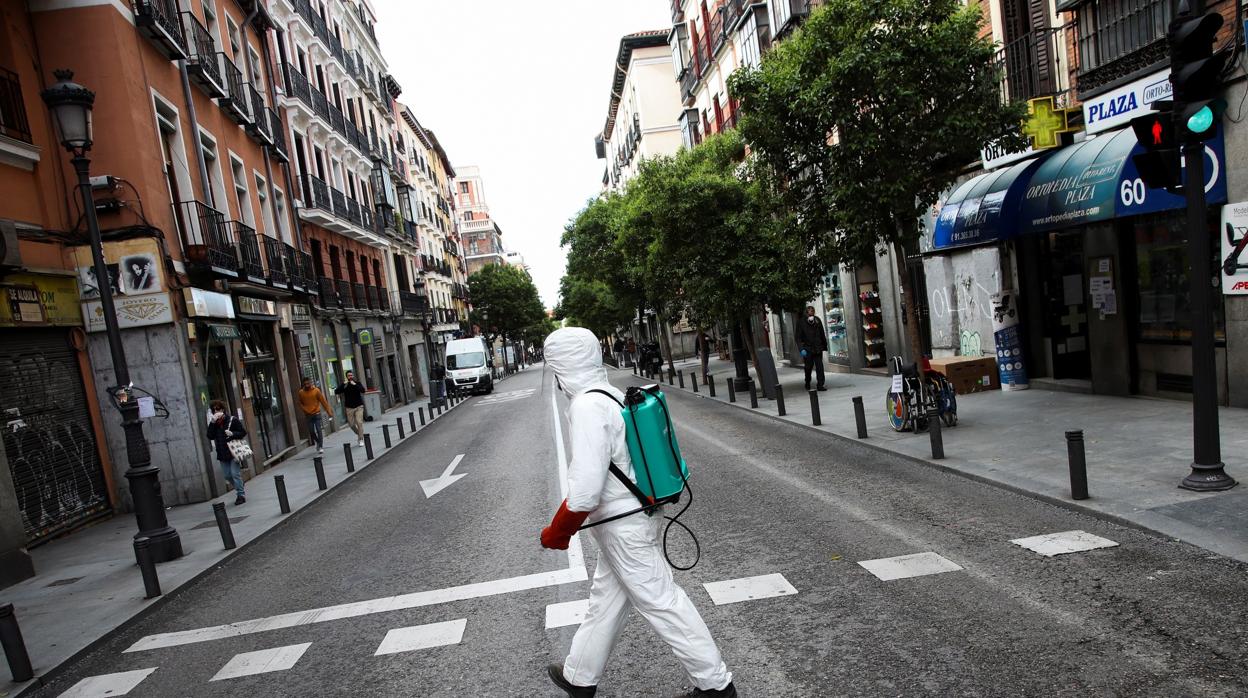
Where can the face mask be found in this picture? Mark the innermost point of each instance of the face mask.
(810, 319)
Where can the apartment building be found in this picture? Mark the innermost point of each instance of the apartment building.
(643, 109)
(482, 238)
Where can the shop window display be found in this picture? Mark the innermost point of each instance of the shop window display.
(1164, 278)
(834, 319)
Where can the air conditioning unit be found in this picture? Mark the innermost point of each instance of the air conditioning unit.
(10, 255)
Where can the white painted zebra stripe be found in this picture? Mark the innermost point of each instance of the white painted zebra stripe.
(118, 684)
(904, 566)
(560, 615)
(1051, 544)
(749, 589)
(262, 661)
(419, 637)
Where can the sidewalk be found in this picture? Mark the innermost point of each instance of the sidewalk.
(1138, 449)
(87, 583)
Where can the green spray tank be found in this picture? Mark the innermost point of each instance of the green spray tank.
(658, 467)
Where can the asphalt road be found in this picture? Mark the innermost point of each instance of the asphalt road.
(1148, 617)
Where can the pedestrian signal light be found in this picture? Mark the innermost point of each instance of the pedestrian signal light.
(1154, 131)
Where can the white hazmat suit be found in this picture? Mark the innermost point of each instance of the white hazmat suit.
(632, 572)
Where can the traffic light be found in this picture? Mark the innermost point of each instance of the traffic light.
(1158, 165)
(1196, 73)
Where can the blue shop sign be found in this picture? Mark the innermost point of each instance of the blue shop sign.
(983, 209)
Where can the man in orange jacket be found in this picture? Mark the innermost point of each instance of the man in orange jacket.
(311, 400)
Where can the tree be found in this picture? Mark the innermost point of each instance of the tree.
(504, 301)
(868, 113)
(592, 304)
(534, 335)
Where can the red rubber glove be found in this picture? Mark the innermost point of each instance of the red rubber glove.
(559, 533)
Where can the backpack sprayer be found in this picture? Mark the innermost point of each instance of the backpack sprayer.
(661, 471)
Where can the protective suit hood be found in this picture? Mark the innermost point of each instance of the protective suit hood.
(576, 358)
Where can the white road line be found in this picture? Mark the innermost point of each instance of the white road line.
(1052, 544)
(262, 661)
(361, 608)
(559, 615)
(576, 557)
(419, 637)
(904, 566)
(108, 684)
(749, 589)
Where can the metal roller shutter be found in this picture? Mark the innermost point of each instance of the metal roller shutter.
(48, 439)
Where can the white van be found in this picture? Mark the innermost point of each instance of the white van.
(467, 370)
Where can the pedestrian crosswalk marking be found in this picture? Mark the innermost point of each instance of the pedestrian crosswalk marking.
(749, 589)
(262, 661)
(509, 396)
(904, 566)
(118, 684)
(419, 637)
(1051, 544)
(567, 613)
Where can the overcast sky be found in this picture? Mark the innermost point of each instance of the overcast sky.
(519, 89)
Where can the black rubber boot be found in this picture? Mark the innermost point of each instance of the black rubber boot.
(555, 671)
(729, 691)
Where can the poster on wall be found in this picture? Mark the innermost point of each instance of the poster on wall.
(134, 268)
(1234, 258)
(1009, 339)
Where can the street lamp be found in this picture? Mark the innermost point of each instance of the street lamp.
(70, 104)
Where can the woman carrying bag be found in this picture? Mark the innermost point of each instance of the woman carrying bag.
(227, 436)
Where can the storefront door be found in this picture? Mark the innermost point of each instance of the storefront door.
(1066, 311)
(262, 378)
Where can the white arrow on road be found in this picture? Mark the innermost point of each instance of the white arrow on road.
(446, 479)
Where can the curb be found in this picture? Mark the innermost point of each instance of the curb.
(975, 477)
(43, 679)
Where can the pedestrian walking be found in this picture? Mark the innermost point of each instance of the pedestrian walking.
(704, 348)
(226, 433)
(619, 352)
(812, 341)
(311, 401)
(630, 347)
(632, 571)
(352, 392)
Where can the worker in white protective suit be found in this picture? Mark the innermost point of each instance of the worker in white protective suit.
(632, 571)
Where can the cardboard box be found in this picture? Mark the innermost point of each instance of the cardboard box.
(969, 374)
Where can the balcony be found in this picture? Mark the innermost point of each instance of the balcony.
(411, 304)
(356, 137)
(374, 299)
(206, 238)
(361, 299)
(248, 250)
(353, 63)
(235, 101)
(297, 85)
(337, 121)
(274, 260)
(345, 297)
(259, 128)
(1120, 41)
(383, 300)
(158, 21)
(788, 14)
(385, 218)
(278, 133)
(732, 12)
(1031, 66)
(327, 293)
(294, 268)
(320, 103)
(202, 62)
(13, 121)
(316, 193)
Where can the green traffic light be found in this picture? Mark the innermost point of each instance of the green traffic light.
(1201, 120)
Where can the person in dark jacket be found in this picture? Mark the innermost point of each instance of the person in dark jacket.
(221, 430)
(812, 341)
(352, 392)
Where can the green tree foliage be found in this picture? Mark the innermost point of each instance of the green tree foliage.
(534, 335)
(867, 113)
(504, 301)
(592, 304)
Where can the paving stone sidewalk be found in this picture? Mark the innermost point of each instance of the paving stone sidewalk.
(87, 583)
(1138, 449)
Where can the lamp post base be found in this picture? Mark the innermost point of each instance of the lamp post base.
(1208, 478)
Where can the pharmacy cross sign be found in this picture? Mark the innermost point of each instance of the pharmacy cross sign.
(1046, 122)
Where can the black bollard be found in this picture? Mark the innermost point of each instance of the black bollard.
(223, 525)
(14, 646)
(319, 466)
(710, 384)
(1078, 464)
(681, 376)
(346, 452)
(732, 391)
(693, 381)
(422, 416)
(815, 418)
(634, 369)
(860, 417)
(431, 407)
(780, 401)
(283, 502)
(671, 377)
(399, 423)
(753, 396)
(147, 567)
(933, 434)
(385, 434)
(411, 421)
(368, 446)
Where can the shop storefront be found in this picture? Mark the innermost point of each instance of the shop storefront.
(264, 386)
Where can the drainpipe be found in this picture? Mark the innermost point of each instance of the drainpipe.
(187, 95)
(292, 194)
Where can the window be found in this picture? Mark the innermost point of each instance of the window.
(1163, 273)
(266, 224)
(463, 187)
(241, 199)
(232, 29)
(281, 215)
(1111, 29)
(753, 38)
(216, 181)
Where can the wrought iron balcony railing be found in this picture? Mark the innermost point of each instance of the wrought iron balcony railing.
(327, 291)
(316, 193)
(203, 64)
(374, 298)
(278, 133)
(345, 297)
(158, 21)
(294, 267)
(1033, 65)
(361, 299)
(235, 102)
(274, 260)
(248, 249)
(206, 237)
